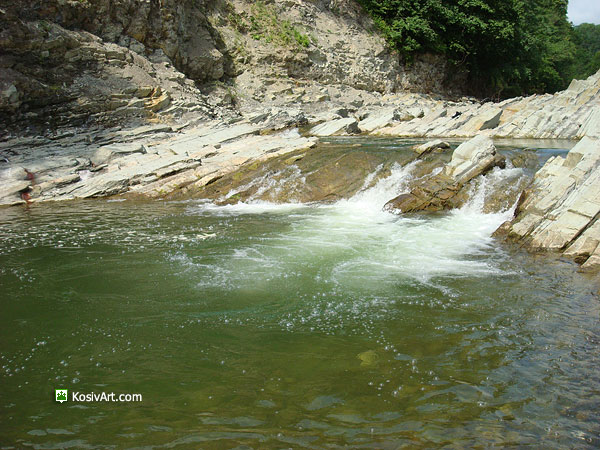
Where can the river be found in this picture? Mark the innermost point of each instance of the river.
(263, 325)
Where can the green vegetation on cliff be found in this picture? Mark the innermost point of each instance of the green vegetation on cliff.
(508, 47)
(587, 58)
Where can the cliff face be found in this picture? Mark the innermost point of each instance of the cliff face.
(100, 61)
(69, 63)
(180, 29)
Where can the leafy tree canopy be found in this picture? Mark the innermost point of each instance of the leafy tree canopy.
(508, 47)
(587, 58)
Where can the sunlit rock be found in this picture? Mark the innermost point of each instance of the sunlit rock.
(435, 145)
(446, 189)
(346, 125)
(561, 209)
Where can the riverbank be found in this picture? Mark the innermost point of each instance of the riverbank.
(156, 159)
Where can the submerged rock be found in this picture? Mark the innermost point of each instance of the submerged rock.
(368, 358)
(331, 173)
(560, 211)
(447, 189)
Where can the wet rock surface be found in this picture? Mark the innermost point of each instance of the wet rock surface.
(326, 173)
(448, 188)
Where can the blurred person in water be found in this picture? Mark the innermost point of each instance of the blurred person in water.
(26, 193)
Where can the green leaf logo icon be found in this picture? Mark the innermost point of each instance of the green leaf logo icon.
(61, 395)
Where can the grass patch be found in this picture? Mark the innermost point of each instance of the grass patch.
(264, 24)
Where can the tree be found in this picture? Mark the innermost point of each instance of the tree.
(587, 57)
(508, 47)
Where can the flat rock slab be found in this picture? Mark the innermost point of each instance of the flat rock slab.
(104, 154)
(333, 127)
(377, 120)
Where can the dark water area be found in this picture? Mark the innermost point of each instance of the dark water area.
(263, 325)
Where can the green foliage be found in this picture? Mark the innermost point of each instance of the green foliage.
(508, 47)
(263, 24)
(587, 58)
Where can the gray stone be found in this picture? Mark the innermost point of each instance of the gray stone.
(104, 154)
(431, 146)
(472, 158)
(338, 126)
(377, 120)
(562, 207)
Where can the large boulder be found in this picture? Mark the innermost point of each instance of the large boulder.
(447, 189)
(472, 158)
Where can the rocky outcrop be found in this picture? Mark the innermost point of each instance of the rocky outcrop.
(151, 161)
(560, 210)
(51, 78)
(326, 174)
(172, 30)
(431, 146)
(569, 114)
(448, 188)
(81, 62)
(331, 42)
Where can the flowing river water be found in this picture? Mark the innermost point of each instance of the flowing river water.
(262, 325)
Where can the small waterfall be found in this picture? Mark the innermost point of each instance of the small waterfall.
(355, 243)
(270, 185)
(386, 188)
(497, 192)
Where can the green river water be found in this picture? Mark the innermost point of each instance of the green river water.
(290, 326)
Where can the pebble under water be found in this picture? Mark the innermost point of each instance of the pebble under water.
(262, 325)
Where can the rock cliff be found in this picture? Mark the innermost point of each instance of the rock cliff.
(82, 62)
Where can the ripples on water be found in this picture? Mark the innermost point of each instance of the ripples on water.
(302, 326)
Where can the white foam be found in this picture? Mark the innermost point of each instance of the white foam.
(356, 244)
(254, 207)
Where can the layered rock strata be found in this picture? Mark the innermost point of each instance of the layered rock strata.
(560, 210)
(151, 161)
